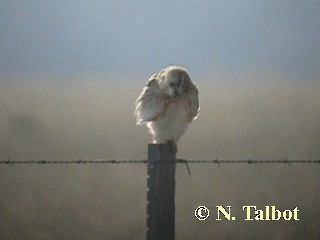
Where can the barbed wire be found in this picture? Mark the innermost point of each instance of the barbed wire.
(184, 161)
(146, 161)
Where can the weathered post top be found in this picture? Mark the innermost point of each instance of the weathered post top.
(158, 152)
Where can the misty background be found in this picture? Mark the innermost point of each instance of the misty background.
(69, 76)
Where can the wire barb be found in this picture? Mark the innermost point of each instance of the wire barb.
(184, 162)
(286, 161)
(217, 161)
(8, 161)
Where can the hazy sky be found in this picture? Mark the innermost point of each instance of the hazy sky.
(63, 38)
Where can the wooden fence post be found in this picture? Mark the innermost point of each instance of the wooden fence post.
(161, 190)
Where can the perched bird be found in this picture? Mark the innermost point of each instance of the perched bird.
(167, 104)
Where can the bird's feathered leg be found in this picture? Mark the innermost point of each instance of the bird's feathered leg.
(173, 141)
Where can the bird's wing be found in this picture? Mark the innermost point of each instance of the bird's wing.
(150, 104)
(194, 102)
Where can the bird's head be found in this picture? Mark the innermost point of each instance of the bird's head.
(176, 82)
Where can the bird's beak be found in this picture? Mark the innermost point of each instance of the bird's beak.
(175, 92)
